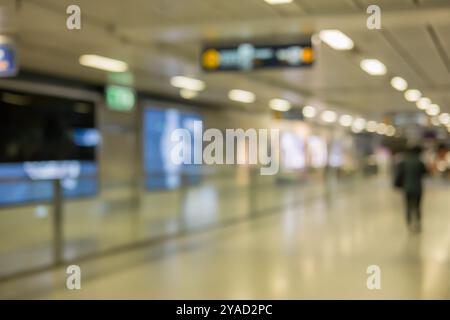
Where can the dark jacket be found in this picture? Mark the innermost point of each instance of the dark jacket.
(411, 172)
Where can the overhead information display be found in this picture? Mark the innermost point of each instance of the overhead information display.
(246, 56)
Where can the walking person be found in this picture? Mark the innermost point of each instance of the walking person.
(409, 177)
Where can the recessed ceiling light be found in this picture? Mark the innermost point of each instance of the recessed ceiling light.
(241, 96)
(359, 125)
(373, 67)
(444, 119)
(103, 63)
(433, 110)
(391, 131)
(187, 83)
(280, 105)
(398, 83)
(423, 103)
(346, 120)
(329, 116)
(371, 126)
(413, 95)
(275, 2)
(382, 128)
(435, 121)
(309, 111)
(336, 39)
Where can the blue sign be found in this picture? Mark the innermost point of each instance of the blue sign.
(30, 181)
(160, 171)
(8, 66)
(246, 56)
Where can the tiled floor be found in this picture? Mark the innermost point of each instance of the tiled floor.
(320, 248)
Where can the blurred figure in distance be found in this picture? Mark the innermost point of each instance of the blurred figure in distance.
(409, 177)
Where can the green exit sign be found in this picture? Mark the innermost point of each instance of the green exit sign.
(120, 98)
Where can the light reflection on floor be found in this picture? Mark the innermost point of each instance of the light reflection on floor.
(319, 249)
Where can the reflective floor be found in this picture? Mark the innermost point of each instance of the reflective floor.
(317, 248)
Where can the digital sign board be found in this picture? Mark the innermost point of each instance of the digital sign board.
(247, 56)
(44, 138)
(160, 171)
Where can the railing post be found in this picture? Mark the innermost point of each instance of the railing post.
(252, 192)
(57, 222)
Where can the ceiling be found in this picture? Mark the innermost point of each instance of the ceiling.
(163, 38)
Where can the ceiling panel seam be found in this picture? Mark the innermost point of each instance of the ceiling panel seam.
(439, 46)
(403, 53)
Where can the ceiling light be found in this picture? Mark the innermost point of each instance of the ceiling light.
(346, 120)
(398, 83)
(280, 105)
(103, 63)
(275, 2)
(413, 95)
(187, 83)
(391, 131)
(445, 119)
(423, 103)
(359, 125)
(382, 128)
(433, 110)
(329, 116)
(435, 122)
(336, 39)
(188, 94)
(241, 96)
(373, 67)
(371, 126)
(309, 112)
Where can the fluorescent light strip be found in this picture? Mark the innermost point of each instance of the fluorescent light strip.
(241, 96)
(346, 120)
(382, 128)
(371, 126)
(423, 103)
(433, 110)
(309, 112)
(336, 39)
(187, 83)
(103, 63)
(373, 67)
(275, 2)
(435, 122)
(391, 131)
(329, 116)
(444, 118)
(280, 105)
(413, 95)
(359, 125)
(399, 84)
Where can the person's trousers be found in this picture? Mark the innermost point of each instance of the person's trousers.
(413, 206)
